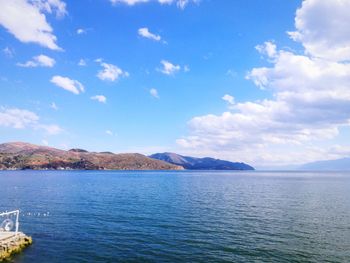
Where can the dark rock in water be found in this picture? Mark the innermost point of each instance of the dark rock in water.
(193, 163)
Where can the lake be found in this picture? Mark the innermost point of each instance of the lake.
(181, 216)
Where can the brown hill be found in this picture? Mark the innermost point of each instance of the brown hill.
(19, 155)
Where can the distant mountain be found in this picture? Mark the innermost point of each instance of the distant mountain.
(193, 163)
(19, 155)
(338, 164)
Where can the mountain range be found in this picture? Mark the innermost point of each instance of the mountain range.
(338, 164)
(19, 155)
(194, 163)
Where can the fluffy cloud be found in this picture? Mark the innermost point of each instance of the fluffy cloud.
(81, 31)
(51, 129)
(99, 98)
(179, 3)
(111, 133)
(128, 2)
(229, 99)
(82, 62)
(144, 32)
(57, 7)
(39, 61)
(169, 68)
(53, 106)
(71, 85)
(22, 119)
(154, 93)
(9, 52)
(27, 22)
(310, 102)
(110, 72)
(322, 27)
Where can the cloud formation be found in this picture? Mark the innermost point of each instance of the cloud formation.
(26, 20)
(68, 84)
(310, 102)
(9, 52)
(39, 61)
(99, 98)
(229, 99)
(21, 119)
(144, 32)
(81, 31)
(154, 93)
(179, 3)
(322, 27)
(110, 72)
(169, 68)
(82, 62)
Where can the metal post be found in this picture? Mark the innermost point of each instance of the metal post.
(17, 221)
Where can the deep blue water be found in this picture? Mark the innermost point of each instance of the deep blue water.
(93, 216)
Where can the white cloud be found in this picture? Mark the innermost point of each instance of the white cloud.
(17, 118)
(71, 85)
(27, 22)
(22, 119)
(9, 52)
(39, 61)
(165, 1)
(144, 32)
(169, 68)
(99, 98)
(179, 3)
(53, 106)
(154, 93)
(50, 129)
(229, 99)
(45, 142)
(310, 105)
(81, 31)
(322, 27)
(232, 73)
(82, 62)
(128, 2)
(51, 6)
(186, 68)
(110, 72)
(268, 49)
(109, 132)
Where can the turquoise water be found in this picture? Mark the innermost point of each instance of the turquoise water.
(93, 216)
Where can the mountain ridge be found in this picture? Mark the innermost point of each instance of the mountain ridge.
(20, 155)
(336, 164)
(195, 163)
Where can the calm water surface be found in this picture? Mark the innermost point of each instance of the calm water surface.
(93, 216)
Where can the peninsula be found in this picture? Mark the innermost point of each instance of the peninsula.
(20, 155)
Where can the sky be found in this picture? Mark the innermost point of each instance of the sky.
(263, 82)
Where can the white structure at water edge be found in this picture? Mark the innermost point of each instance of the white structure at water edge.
(7, 223)
(11, 240)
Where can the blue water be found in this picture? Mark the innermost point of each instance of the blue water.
(93, 216)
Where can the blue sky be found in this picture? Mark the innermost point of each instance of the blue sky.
(218, 78)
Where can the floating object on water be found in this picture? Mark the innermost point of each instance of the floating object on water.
(11, 242)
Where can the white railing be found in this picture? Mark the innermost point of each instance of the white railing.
(5, 225)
